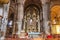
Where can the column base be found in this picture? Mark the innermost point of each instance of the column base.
(18, 33)
(2, 38)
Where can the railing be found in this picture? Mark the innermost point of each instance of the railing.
(34, 34)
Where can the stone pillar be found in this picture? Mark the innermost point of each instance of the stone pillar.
(45, 7)
(5, 20)
(20, 15)
(6, 11)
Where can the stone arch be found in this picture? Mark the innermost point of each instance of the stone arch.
(12, 10)
(36, 3)
(33, 3)
(55, 11)
(54, 2)
(54, 5)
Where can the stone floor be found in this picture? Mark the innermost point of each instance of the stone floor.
(30, 39)
(17, 39)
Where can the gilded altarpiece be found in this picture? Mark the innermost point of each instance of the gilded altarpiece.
(31, 20)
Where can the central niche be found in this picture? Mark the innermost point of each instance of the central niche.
(31, 19)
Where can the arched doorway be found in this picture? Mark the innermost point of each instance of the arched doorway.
(10, 25)
(55, 19)
(12, 18)
(11, 22)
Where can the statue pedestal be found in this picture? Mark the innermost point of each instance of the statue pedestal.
(21, 34)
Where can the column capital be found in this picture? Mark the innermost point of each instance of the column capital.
(45, 1)
(21, 2)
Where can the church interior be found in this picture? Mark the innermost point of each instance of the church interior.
(29, 19)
